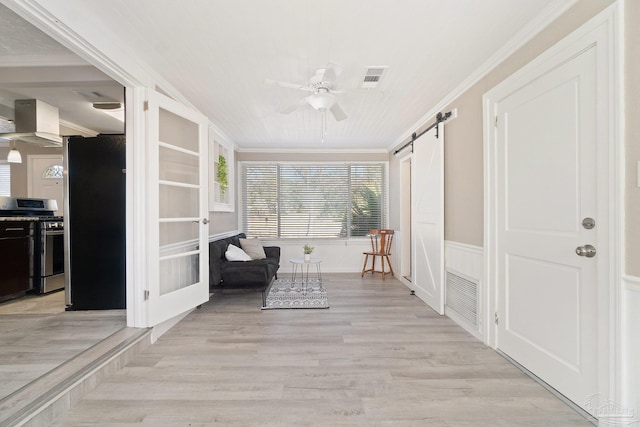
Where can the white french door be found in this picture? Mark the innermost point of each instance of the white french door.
(427, 218)
(551, 223)
(178, 276)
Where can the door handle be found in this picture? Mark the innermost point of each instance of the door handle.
(205, 221)
(587, 250)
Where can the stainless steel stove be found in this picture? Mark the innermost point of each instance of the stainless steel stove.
(48, 243)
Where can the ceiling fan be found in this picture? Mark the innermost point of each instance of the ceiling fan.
(322, 86)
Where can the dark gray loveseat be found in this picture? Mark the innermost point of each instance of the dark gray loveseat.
(253, 275)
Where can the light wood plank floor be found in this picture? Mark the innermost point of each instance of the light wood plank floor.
(37, 335)
(377, 357)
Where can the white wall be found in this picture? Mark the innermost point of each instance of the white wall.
(338, 256)
(341, 256)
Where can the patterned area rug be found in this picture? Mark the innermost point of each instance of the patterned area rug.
(283, 295)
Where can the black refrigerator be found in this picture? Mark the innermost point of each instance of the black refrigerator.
(95, 222)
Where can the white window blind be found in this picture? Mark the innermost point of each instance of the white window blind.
(313, 200)
(5, 179)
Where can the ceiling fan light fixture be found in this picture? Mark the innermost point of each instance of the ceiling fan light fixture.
(321, 101)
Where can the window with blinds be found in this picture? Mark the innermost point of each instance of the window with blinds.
(5, 179)
(327, 200)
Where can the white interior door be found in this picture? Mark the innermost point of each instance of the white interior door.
(546, 155)
(45, 179)
(427, 198)
(178, 209)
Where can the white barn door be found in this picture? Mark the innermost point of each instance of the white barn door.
(427, 197)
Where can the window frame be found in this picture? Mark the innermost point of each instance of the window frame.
(241, 189)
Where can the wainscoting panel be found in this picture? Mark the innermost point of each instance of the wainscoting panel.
(464, 269)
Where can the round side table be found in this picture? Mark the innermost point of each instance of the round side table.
(300, 262)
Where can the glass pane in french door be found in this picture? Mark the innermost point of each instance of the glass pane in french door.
(178, 131)
(179, 202)
(178, 166)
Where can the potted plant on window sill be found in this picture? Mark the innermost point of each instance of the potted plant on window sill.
(221, 175)
(307, 252)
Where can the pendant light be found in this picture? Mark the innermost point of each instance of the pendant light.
(14, 155)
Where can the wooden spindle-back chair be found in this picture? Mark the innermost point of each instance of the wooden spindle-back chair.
(381, 240)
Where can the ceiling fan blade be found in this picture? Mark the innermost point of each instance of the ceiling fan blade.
(290, 109)
(330, 73)
(335, 69)
(337, 112)
(288, 85)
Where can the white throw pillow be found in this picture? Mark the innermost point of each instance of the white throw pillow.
(253, 248)
(234, 253)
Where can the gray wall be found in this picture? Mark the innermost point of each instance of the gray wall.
(632, 108)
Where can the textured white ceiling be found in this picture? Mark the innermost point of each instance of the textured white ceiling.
(218, 53)
(18, 38)
(33, 65)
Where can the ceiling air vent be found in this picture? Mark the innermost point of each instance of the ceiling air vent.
(372, 76)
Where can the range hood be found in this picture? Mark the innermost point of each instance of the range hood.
(36, 122)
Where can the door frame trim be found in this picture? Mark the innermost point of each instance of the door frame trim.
(136, 77)
(605, 32)
(404, 252)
